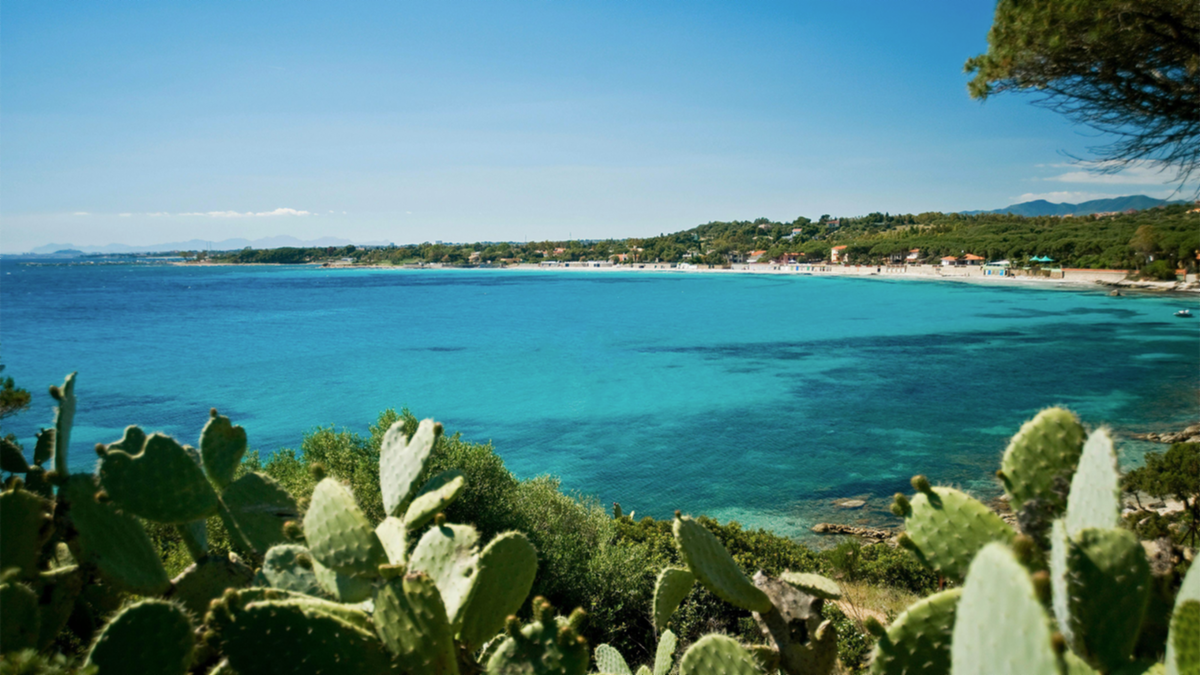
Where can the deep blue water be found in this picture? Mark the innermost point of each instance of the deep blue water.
(761, 399)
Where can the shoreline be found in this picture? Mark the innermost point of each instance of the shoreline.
(1077, 279)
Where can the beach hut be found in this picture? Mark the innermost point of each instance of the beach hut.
(949, 261)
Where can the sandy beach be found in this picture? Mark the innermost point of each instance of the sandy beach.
(1070, 278)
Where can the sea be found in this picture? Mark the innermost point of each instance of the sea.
(762, 399)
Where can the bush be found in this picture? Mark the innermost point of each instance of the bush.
(1159, 270)
(586, 557)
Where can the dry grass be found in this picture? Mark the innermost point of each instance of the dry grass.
(860, 600)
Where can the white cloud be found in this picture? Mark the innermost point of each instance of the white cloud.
(247, 214)
(1135, 174)
(124, 215)
(1062, 197)
(81, 213)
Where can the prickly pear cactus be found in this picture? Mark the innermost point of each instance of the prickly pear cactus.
(150, 637)
(715, 568)
(221, 447)
(438, 493)
(542, 647)
(1095, 499)
(206, 580)
(507, 568)
(672, 586)
(257, 507)
(1106, 589)
(394, 536)
(918, 641)
(411, 620)
(26, 524)
(401, 461)
(946, 528)
(1047, 447)
(1183, 642)
(113, 541)
(717, 654)
(290, 567)
(159, 481)
(1000, 627)
(64, 420)
(813, 584)
(447, 554)
(339, 535)
(20, 620)
(610, 661)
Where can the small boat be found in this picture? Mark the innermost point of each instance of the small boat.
(1184, 314)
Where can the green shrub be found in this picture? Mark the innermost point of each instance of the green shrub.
(1159, 270)
(854, 643)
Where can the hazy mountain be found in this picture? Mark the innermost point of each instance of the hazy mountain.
(202, 245)
(1042, 207)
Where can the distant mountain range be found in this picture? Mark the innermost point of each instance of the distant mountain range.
(1041, 207)
(198, 245)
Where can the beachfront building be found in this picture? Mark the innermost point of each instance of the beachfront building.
(913, 255)
(972, 259)
(998, 268)
(837, 254)
(755, 255)
(949, 261)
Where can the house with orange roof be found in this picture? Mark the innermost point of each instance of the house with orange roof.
(755, 255)
(913, 255)
(837, 253)
(949, 261)
(972, 259)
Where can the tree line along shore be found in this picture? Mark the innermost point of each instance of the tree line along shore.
(1156, 243)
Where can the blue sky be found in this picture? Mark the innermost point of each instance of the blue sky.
(153, 122)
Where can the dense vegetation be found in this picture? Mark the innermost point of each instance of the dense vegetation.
(1124, 241)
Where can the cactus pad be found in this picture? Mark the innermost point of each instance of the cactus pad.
(258, 507)
(285, 637)
(447, 554)
(393, 535)
(507, 567)
(1095, 499)
(437, 493)
(1108, 586)
(207, 579)
(1185, 637)
(151, 637)
(545, 646)
(813, 584)
(1000, 627)
(43, 449)
(114, 541)
(1047, 447)
(59, 588)
(401, 461)
(64, 419)
(947, 528)
(338, 533)
(342, 587)
(672, 586)
(221, 447)
(715, 568)
(411, 621)
(160, 483)
(918, 641)
(290, 567)
(12, 459)
(25, 526)
(717, 655)
(20, 620)
(1183, 642)
(610, 661)
(664, 653)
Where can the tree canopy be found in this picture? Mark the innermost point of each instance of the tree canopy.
(1130, 68)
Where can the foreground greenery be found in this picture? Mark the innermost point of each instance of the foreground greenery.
(1125, 241)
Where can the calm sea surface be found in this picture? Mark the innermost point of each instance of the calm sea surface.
(761, 399)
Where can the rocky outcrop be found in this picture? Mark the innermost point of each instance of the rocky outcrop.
(1188, 435)
(872, 535)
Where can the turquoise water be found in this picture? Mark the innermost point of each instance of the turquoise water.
(761, 399)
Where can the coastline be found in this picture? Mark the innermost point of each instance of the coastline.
(1076, 279)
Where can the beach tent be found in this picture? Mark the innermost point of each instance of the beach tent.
(1041, 258)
